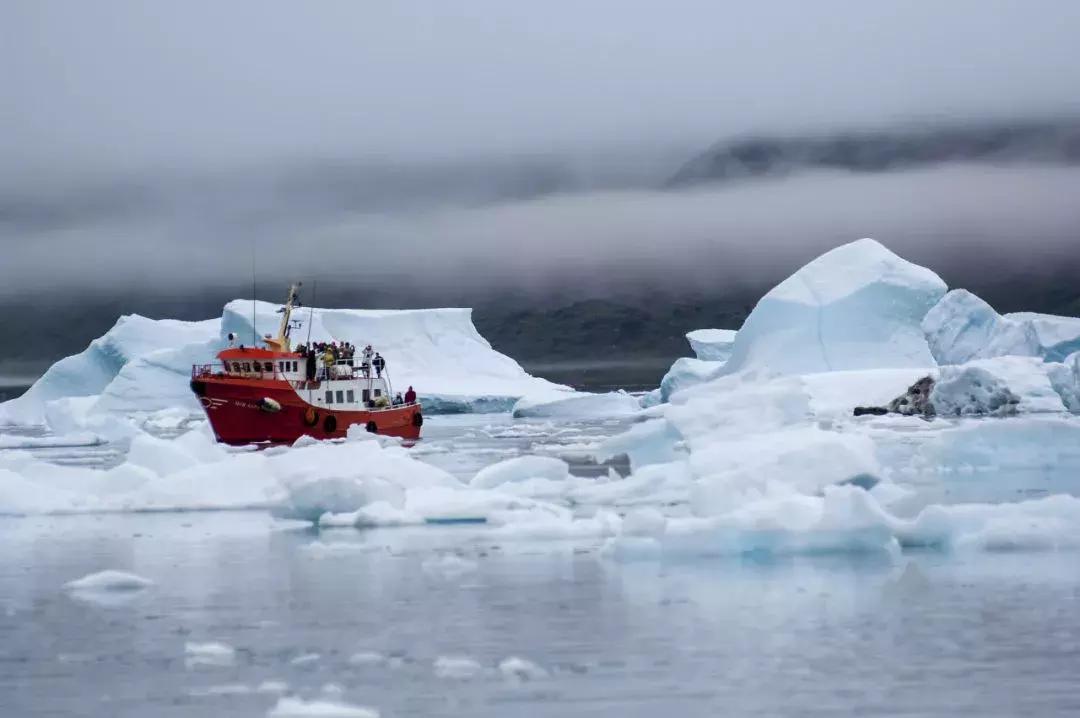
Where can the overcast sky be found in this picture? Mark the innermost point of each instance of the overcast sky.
(98, 93)
(125, 82)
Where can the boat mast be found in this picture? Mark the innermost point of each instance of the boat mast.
(281, 341)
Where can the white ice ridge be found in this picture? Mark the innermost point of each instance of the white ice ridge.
(962, 327)
(858, 306)
(712, 344)
(143, 365)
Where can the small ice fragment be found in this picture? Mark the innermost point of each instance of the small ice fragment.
(332, 689)
(298, 708)
(211, 653)
(366, 658)
(272, 687)
(228, 689)
(460, 668)
(109, 580)
(449, 566)
(304, 659)
(521, 669)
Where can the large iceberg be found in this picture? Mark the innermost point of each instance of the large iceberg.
(858, 306)
(143, 365)
(962, 327)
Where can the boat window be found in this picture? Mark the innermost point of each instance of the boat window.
(378, 392)
(294, 366)
(281, 366)
(236, 366)
(350, 396)
(365, 395)
(247, 366)
(340, 396)
(268, 366)
(329, 397)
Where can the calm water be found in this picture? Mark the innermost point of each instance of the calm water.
(990, 634)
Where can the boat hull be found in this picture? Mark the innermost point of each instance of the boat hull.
(256, 411)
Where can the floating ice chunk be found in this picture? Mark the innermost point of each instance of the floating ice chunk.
(448, 566)
(858, 306)
(367, 658)
(460, 668)
(299, 708)
(227, 689)
(651, 442)
(109, 580)
(521, 468)
(322, 550)
(972, 391)
(1028, 378)
(686, 373)
(521, 669)
(712, 344)
(962, 327)
(272, 687)
(305, 659)
(1058, 337)
(644, 522)
(208, 654)
(578, 405)
(1065, 380)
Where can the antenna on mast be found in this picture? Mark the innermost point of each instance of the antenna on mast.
(254, 331)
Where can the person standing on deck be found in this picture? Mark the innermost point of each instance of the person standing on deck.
(379, 363)
(328, 361)
(410, 396)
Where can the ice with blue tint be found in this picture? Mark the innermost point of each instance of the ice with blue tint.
(962, 327)
(858, 306)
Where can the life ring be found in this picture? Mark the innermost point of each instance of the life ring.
(372, 428)
(311, 417)
(330, 425)
(418, 419)
(270, 406)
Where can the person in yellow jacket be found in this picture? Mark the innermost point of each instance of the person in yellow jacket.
(328, 362)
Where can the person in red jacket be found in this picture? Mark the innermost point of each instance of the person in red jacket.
(410, 396)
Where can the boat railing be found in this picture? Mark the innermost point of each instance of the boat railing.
(218, 369)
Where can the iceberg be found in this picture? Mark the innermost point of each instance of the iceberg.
(962, 327)
(687, 372)
(577, 405)
(142, 366)
(711, 344)
(858, 306)
(91, 371)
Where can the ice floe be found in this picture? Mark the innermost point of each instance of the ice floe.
(288, 707)
(109, 580)
(210, 653)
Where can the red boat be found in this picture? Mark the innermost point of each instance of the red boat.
(277, 395)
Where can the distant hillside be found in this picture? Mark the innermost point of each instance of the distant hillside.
(1043, 142)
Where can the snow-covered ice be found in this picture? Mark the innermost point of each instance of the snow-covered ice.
(289, 707)
(712, 344)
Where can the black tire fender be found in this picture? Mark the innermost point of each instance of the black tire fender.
(418, 419)
(330, 425)
(372, 427)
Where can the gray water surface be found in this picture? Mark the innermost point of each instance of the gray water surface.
(936, 634)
